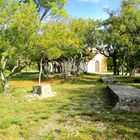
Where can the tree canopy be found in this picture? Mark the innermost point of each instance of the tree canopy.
(49, 7)
(121, 34)
(17, 33)
(26, 35)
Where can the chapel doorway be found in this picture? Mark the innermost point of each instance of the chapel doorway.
(97, 66)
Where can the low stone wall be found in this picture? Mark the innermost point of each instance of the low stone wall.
(109, 80)
(125, 97)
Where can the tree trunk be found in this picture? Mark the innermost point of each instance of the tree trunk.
(38, 65)
(131, 72)
(78, 69)
(65, 70)
(73, 69)
(85, 67)
(40, 72)
(115, 63)
(5, 87)
(4, 82)
(122, 70)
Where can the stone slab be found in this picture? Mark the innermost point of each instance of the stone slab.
(109, 80)
(127, 97)
(125, 91)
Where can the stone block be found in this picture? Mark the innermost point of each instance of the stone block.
(44, 91)
(126, 97)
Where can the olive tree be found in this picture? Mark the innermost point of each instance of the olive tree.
(17, 33)
(121, 34)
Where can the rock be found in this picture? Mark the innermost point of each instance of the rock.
(44, 91)
(40, 92)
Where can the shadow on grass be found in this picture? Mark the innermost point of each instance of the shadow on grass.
(23, 76)
(92, 102)
(86, 98)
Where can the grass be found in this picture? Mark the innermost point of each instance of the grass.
(79, 111)
(129, 80)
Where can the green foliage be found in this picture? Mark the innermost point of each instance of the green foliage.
(122, 30)
(63, 39)
(17, 34)
(49, 7)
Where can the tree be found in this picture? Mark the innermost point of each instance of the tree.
(121, 34)
(83, 29)
(130, 28)
(49, 9)
(17, 32)
(56, 42)
(69, 41)
(49, 43)
(108, 38)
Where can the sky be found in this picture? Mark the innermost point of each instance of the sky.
(91, 8)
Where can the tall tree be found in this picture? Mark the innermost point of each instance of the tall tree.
(121, 34)
(48, 9)
(17, 32)
(130, 28)
(84, 30)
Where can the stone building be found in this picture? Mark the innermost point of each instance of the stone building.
(98, 64)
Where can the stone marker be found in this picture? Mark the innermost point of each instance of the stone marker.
(40, 92)
(44, 91)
